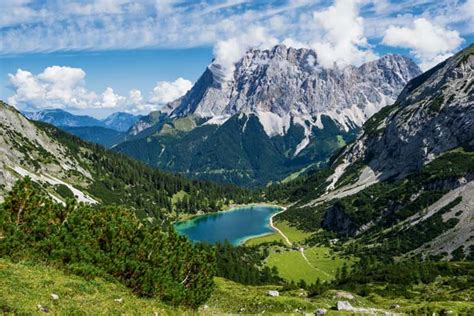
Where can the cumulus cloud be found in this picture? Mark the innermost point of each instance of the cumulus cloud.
(343, 42)
(229, 51)
(58, 87)
(336, 33)
(64, 88)
(167, 91)
(428, 42)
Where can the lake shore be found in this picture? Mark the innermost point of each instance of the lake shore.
(189, 222)
(228, 208)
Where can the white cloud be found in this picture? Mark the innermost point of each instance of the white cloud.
(135, 97)
(166, 91)
(343, 42)
(58, 87)
(228, 52)
(64, 88)
(428, 42)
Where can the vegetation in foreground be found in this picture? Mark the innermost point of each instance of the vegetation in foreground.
(109, 249)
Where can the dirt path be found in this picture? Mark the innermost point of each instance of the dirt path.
(277, 229)
(312, 266)
(301, 250)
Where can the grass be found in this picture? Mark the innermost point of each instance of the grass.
(293, 234)
(23, 286)
(326, 261)
(296, 174)
(273, 237)
(231, 297)
(292, 266)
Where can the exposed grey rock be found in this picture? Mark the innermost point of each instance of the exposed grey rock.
(344, 306)
(42, 308)
(54, 297)
(320, 312)
(343, 294)
(433, 114)
(273, 293)
(284, 84)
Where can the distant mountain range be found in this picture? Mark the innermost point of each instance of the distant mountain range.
(279, 113)
(107, 132)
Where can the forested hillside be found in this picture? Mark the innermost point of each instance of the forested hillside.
(67, 166)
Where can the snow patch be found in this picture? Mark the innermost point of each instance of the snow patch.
(217, 120)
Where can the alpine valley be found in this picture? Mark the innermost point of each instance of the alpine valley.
(366, 175)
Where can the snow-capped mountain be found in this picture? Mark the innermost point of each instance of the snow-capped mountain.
(284, 85)
(280, 112)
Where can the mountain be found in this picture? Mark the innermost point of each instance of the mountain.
(58, 117)
(67, 167)
(405, 187)
(279, 113)
(107, 132)
(120, 121)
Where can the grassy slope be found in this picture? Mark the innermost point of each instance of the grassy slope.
(24, 286)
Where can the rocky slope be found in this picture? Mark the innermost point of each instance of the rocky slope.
(27, 150)
(302, 114)
(405, 185)
(285, 85)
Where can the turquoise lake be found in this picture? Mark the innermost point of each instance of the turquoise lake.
(236, 225)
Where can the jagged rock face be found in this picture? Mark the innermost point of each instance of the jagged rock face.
(285, 84)
(434, 114)
(27, 150)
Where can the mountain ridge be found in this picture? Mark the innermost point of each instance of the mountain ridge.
(119, 121)
(306, 113)
(409, 176)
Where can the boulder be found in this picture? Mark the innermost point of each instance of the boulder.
(394, 306)
(344, 306)
(118, 300)
(342, 294)
(42, 308)
(54, 297)
(320, 312)
(273, 293)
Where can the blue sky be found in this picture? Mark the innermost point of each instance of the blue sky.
(100, 56)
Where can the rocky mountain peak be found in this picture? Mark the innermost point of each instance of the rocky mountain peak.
(284, 85)
(433, 114)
